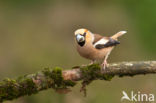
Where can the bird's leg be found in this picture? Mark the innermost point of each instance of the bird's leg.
(92, 62)
(105, 64)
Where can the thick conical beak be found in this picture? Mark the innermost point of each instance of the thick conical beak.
(80, 38)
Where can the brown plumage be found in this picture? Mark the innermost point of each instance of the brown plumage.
(97, 38)
(94, 46)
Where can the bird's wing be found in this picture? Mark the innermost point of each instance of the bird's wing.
(97, 37)
(105, 42)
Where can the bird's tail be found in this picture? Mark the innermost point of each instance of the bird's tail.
(120, 33)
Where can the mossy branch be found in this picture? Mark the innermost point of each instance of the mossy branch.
(61, 81)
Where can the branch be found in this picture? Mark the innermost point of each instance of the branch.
(61, 81)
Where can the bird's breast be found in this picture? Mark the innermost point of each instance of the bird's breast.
(89, 52)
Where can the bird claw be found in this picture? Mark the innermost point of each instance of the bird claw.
(83, 65)
(104, 65)
(92, 62)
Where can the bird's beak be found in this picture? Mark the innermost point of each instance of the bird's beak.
(80, 38)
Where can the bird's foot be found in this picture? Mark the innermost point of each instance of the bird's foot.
(92, 62)
(77, 67)
(104, 65)
(83, 65)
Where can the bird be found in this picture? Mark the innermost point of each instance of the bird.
(96, 47)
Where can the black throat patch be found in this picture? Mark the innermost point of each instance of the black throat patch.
(81, 43)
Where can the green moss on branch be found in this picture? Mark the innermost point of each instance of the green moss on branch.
(31, 84)
(63, 80)
(90, 73)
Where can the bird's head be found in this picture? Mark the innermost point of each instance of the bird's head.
(83, 36)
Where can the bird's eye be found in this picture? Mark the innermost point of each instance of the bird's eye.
(84, 34)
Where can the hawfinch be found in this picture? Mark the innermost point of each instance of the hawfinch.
(94, 46)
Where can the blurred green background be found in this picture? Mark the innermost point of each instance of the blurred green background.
(35, 34)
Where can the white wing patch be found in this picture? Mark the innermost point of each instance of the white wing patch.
(101, 41)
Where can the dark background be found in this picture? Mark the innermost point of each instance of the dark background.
(35, 34)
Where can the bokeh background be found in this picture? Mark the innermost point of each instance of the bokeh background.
(35, 34)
